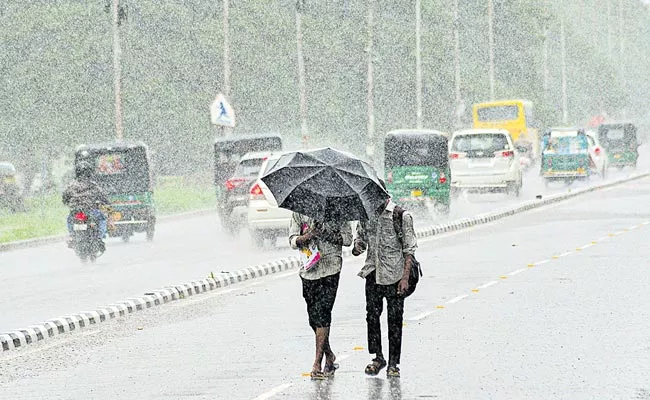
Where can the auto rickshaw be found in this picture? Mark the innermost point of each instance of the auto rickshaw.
(10, 197)
(565, 155)
(228, 152)
(620, 143)
(416, 168)
(124, 173)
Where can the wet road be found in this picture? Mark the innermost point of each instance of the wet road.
(49, 281)
(547, 304)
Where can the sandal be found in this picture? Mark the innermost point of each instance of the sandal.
(393, 372)
(318, 376)
(330, 369)
(375, 366)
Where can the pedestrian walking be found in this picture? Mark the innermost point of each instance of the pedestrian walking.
(386, 271)
(321, 246)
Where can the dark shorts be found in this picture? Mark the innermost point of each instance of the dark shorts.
(319, 294)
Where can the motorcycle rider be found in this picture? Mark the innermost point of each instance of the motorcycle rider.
(85, 194)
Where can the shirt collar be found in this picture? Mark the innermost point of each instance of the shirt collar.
(391, 206)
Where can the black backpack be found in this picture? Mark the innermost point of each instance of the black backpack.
(416, 269)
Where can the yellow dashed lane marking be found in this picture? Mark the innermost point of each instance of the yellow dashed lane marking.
(503, 277)
(475, 290)
(440, 307)
(357, 348)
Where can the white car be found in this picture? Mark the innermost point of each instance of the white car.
(598, 157)
(265, 219)
(484, 160)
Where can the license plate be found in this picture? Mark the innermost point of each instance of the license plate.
(617, 156)
(117, 216)
(80, 227)
(416, 193)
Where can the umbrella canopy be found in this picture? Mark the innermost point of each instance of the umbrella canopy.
(326, 184)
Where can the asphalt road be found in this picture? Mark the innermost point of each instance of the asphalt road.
(547, 304)
(49, 281)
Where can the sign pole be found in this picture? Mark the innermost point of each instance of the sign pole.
(117, 68)
(226, 55)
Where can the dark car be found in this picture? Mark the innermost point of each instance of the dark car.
(237, 161)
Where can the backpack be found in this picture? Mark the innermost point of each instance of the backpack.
(416, 269)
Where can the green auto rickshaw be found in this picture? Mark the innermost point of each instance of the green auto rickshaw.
(620, 143)
(123, 171)
(565, 155)
(416, 168)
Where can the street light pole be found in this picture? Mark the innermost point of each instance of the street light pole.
(457, 62)
(545, 70)
(302, 85)
(565, 113)
(491, 40)
(117, 69)
(418, 63)
(370, 146)
(226, 56)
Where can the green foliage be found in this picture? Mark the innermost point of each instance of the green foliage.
(56, 69)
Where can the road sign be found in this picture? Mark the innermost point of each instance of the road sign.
(221, 112)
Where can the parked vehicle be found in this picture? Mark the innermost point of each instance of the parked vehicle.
(515, 116)
(231, 189)
(416, 168)
(621, 143)
(10, 197)
(565, 155)
(265, 219)
(485, 160)
(124, 173)
(85, 237)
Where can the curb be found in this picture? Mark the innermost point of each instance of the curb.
(28, 243)
(23, 337)
(71, 323)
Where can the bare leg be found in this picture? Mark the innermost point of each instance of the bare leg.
(322, 335)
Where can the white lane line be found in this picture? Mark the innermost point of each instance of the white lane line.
(457, 299)
(586, 246)
(564, 254)
(421, 316)
(517, 271)
(273, 391)
(645, 223)
(603, 238)
(487, 285)
(633, 227)
(542, 262)
(342, 357)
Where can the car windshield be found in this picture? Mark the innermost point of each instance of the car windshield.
(489, 142)
(498, 113)
(420, 151)
(566, 145)
(248, 168)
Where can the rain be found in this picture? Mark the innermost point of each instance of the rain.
(180, 181)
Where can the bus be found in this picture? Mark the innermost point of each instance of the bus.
(515, 116)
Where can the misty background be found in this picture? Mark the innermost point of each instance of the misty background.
(56, 70)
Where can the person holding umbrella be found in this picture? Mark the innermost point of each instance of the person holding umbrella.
(386, 271)
(320, 281)
(325, 188)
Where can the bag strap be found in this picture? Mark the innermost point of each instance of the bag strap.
(398, 218)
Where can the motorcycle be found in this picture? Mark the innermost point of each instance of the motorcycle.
(85, 237)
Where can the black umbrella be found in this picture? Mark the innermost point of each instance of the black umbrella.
(326, 184)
